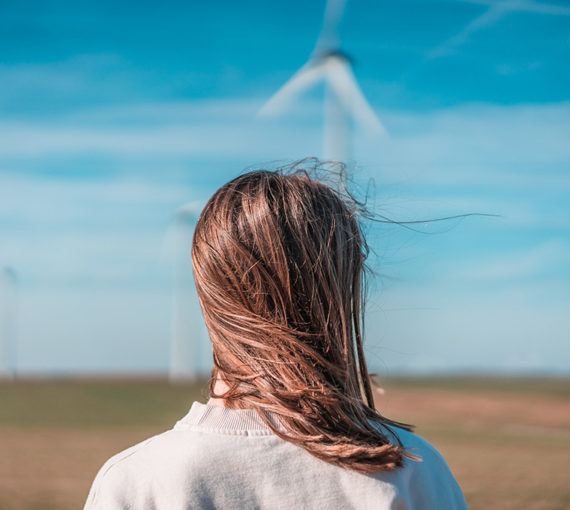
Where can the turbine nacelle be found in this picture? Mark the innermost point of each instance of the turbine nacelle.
(344, 99)
(334, 68)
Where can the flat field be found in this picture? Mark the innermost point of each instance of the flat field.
(506, 440)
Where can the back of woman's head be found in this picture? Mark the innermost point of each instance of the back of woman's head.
(279, 259)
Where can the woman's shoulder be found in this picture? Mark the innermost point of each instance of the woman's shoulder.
(171, 457)
(131, 472)
(115, 474)
(430, 479)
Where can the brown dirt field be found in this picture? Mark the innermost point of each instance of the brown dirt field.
(497, 408)
(508, 450)
(53, 468)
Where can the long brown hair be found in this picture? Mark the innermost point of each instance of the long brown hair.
(279, 259)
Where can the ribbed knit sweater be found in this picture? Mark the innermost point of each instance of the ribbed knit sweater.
(220, 458)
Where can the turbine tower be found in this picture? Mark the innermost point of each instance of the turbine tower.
(8, 310)
(344, 101)
(187, 324)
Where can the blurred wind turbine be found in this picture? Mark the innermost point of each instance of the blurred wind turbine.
(187, 330)
(8, 311)
(344, 100)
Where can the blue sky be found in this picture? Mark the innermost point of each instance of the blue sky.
(113, 116)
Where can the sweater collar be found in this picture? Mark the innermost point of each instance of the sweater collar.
(213, 417)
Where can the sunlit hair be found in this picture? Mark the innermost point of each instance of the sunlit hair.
(279, 259)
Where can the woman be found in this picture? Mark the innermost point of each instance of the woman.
(279, 260)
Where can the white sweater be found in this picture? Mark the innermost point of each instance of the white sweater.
(220, 458)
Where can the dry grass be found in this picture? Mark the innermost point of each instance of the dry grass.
(507, 441)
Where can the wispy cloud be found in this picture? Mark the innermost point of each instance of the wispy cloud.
(101, 233)
(226, 128)
(548, 257)
(497, 10)
(469, 143)
(517, 327)
(515, 147)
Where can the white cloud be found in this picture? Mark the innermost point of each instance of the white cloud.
(66, 76)
(488, 18)
(502, 211)
(98, 233)
(497, 10)
(511, 265)
(418, 327)
(518, 145)
(504, 147)
(227, 136)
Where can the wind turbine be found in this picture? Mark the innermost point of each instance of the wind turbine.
(344, 101)
(187, 329)
(8, 310)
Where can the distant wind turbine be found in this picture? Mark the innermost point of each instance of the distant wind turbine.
(344, 100)
(187, 330)
(8, 311)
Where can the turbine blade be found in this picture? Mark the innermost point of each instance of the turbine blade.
(344, 83)
(329, 39)
(307, 76)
